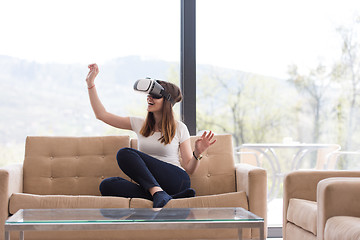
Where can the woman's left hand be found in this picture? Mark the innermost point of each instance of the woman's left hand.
(202, 143)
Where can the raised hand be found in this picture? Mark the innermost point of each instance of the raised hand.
(205, 141)
(93, 72)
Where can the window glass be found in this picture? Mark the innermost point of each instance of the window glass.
(280, 72)
(44, 52)
(253, 58)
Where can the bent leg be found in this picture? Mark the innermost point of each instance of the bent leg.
(150, 172)
(132, 163)
(119, 187)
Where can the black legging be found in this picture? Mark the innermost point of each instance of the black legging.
(148, 172)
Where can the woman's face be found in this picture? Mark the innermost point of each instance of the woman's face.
(154, 105)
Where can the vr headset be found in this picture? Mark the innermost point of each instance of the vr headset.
(153, 88)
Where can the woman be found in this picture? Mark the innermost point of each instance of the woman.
(157, 167)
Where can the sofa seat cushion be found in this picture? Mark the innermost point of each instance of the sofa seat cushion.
(31, 201)
(234, 199)
(303, 213)
(342, 227)
(294, 232)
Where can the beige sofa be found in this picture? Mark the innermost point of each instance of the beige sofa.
(321, 205)
(65, 172)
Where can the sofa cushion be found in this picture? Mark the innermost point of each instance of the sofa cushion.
(342, 227)
(216, 173)
(294, 232)
(70, 165)
(235, 199)
(303, 213)
(30, 201)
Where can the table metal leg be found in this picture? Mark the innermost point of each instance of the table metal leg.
(21, 235)
(7, 235)
(262, 231)
(240, 233)
(297, 159)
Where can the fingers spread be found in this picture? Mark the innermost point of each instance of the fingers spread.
(204, 134)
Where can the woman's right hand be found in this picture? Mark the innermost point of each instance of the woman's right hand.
(93, 72)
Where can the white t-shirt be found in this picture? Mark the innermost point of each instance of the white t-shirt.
(151, 145)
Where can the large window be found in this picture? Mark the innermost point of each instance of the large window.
(45, 47)
(279, 71)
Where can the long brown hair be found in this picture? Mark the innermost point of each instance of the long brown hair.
(168, 123)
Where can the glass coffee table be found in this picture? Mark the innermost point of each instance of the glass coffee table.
(131, 219)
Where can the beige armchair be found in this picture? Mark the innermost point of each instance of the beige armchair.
(321, 205)
(339, 209)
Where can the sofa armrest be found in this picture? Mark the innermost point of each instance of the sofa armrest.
(253, 180)
(302, 184)
(11, 181)
(337, 197)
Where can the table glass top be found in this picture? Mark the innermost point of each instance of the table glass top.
(109, 215)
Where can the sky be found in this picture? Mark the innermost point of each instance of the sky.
(259, 36)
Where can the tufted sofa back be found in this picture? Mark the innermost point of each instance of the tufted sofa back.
(216, 173)
(77, 165)
(70, 165)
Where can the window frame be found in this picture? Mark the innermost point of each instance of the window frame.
(188, 64)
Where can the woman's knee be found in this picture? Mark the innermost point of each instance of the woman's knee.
(123, 154)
